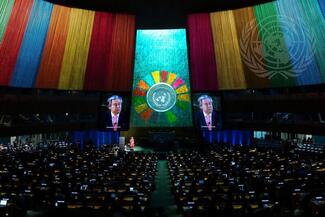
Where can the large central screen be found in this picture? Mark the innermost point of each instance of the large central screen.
(161, 87)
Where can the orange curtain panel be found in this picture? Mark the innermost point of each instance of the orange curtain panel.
(50, 66)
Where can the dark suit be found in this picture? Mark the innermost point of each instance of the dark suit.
(122, 123)
(200, 123)
(208, 137)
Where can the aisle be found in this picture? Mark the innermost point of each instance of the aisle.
(162, 199)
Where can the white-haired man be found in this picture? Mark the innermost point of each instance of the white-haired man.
(207, 119)
(115, 119)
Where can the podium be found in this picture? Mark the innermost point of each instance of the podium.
(162, 140)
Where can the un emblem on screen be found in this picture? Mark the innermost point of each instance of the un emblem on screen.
(161, 97)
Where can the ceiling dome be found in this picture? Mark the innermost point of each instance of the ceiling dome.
(153, 14)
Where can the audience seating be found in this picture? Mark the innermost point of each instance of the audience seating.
(66, 178)
(247, 182)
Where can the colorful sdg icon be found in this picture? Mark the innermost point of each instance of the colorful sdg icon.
(158, 94)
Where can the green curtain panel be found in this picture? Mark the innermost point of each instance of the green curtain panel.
(315, 20)
(275, 52)
(5, 11)
(300, 41)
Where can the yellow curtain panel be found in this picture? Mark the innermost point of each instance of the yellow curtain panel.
(76, 50)
(229, 66)
(50, 67)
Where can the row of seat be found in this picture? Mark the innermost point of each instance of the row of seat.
(99, 179)
(311, 148)
(243, 181)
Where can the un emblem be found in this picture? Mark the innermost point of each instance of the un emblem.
(161, 97)
(283, 44)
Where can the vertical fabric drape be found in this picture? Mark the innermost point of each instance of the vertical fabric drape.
(202, 60)
(32, 46)
(111, 53)
(313, 17)
(5, 11)
(12, 38)
(99, 51)
(47, 46)
(281, 44)
(120, 64)
(275, 50)
(322, 6)
(76, 50)
(299, 41)
(227, 53)
(245, 19)
(50, 67)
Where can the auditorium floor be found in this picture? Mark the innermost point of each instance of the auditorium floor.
(162, 200)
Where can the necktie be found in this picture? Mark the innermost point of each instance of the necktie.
(208, 122)
(115, 122)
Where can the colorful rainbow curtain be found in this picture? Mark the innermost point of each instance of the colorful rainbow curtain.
(277, 44)
(12, 38)
(32, 45)
(280, 43)
(51, 46)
